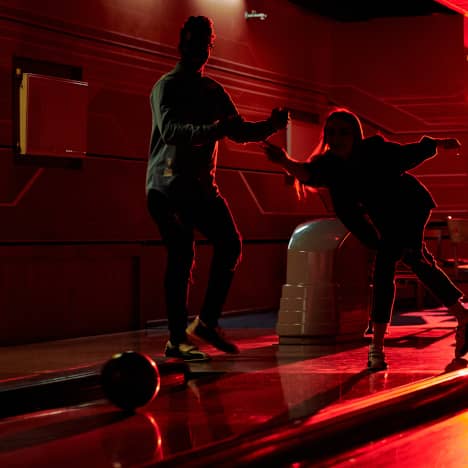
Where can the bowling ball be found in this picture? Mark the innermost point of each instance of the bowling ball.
(130, 380)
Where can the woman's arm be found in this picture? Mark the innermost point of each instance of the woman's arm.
(279, 156)
(408, 156)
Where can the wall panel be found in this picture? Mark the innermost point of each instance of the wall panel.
(51, 292)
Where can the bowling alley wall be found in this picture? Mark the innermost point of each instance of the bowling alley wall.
(79, 255)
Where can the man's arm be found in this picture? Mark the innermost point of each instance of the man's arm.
(173, 132)
(244, 132)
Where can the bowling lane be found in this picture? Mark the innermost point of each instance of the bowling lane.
(230, 397)
(207, 410)
(210, 408)
(388, 422)
(441, 443)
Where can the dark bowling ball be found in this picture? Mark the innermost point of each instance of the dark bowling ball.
(130, 380)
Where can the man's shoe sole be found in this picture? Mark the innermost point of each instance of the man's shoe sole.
(188, 358)
(199, 339)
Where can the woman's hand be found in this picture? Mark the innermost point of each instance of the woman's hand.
(273, 152)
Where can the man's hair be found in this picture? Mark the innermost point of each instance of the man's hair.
(197, 29)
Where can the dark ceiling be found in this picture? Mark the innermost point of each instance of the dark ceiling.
(362, 10)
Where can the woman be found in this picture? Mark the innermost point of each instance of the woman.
(384, 206)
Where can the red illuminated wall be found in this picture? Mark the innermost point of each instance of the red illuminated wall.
(405, 57)
(78, 252)
(406, 77)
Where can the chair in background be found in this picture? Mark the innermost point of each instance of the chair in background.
(405, 277)
(435, 233)
(458, 234)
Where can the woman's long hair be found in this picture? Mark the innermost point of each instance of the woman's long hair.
(322, 147)
(344, 115)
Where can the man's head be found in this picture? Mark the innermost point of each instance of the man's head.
(196, 41)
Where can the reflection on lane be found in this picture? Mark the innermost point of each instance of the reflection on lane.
(93, 436)
(339, 428)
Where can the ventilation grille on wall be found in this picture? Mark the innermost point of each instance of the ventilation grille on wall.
(53, 116)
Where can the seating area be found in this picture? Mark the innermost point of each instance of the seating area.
(458, 235)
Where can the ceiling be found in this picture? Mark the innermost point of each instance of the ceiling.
(362, 10)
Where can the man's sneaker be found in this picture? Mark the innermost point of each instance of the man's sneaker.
(461, 340)
(212, 335)
(376, 359)
(186, 351)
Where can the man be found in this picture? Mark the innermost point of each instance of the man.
(191, 112)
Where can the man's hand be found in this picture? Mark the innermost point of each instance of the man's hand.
(448, 143)
(279, 118)
(274, 153)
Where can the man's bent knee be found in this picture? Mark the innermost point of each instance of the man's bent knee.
(229, 253)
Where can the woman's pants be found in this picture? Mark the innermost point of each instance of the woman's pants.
(405, 242)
